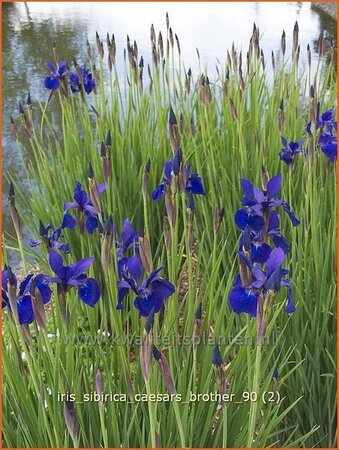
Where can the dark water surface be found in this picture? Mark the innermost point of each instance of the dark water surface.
(30, 29)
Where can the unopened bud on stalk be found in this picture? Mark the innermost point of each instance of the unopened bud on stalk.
(71, 420)
(298, 54)
(173, 130)
(161, 44)
(147, 347)
(145, 253)
(295, 37)
(309, 55)
(106, 244)
(145, 176)
(264, 177)
(93, 188)
(99, 385)
(167, 232)
(234, 111)
(218, 215)
(181, 124)
(170, 208)
(178, 44)
(105, 160)
(245, 272)
(261, 317)
(273, 60)
(14, 129)
(11, 288)
(165, 370)
(38, 305)
(205, 90)
(13, 210)
(198, 312)
(283, 43)
(171, 37)
(153, 37)
(63, 305)
(177, 160)
(89, 50)
(281, 116)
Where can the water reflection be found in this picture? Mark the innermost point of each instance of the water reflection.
(31, 29)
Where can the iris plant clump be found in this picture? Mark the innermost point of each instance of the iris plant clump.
(140, 273)
(261, 272)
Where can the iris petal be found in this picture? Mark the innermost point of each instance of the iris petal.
(52, 83)
(68, 221)
(158, 192)
(273, 186)
(25, 310)
(56, 263)
(241, 219)
(91, 224)
(134, 267)
(146, 303)
(163, 287)
(243, 301)
(89, 292)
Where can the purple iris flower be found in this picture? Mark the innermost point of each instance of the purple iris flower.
(328, 145)
(151, 293)
(252, 235)
(244, 299)
(327, 125)
(52, 82)
(86, 80)
(71, 276)
(287, 154)
(129, 241)
(86, 212)
(50, 237)
(194, 184)
(24, 304)
(258, 203)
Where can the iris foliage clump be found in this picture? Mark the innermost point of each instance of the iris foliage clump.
(183, 227)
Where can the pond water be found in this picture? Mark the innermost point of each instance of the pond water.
(30, 29)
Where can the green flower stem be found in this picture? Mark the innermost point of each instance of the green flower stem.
(254, 404)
